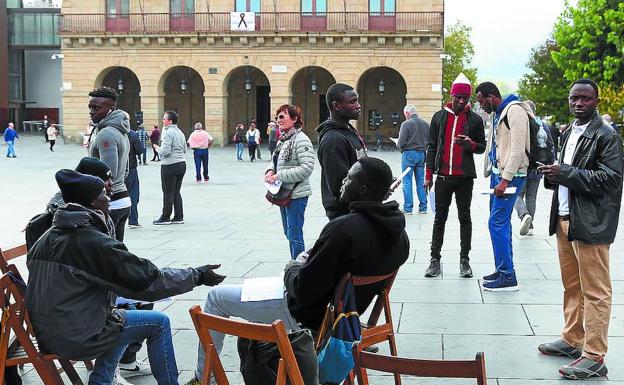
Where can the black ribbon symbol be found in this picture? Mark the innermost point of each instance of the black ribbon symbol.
(242, 20)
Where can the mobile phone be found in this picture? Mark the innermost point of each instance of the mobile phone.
(539, 164)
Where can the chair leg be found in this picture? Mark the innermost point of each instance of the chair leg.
(394, 353)
(47, 372)
(69, 369)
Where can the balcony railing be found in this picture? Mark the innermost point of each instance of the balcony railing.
(146, 23)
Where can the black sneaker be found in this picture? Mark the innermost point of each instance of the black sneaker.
(434, 268)
(583, 368)
(161, 221)
(559, 348)
(465, 271)
(177, 221)
(491, 277)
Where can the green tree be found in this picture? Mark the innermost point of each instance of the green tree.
(459, 51)
(545, 84)
(589, 37)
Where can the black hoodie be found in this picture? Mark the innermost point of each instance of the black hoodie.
(369, 241)
(339, 148)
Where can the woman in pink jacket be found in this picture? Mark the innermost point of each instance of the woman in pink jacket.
(200, 141)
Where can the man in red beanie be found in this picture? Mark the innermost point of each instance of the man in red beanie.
(455, 134)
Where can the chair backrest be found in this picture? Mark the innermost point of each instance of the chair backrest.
(275, 332)
(8, 254)
(422, 368)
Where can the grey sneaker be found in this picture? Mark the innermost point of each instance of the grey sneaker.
(434, 269)
(525, 224)
(583, 368)
(465, 271)
(559, 348)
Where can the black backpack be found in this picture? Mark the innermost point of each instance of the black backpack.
(259, 360)
(36, 227)
(544, 154)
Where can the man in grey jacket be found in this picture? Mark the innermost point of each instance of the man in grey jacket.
(172, 170)
(109, 143)
(413, 137)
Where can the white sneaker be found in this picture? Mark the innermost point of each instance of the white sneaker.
(137, 368)
(118, 379)
(525, 224)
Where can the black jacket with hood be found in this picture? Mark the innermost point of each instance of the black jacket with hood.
(594, 180)
(76, 272)
(339, 148)
(369, 241)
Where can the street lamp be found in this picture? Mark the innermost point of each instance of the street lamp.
(247, 90)
(314, 86)
(382, 87)
(183, 85)
(120, 85)
(248, 85)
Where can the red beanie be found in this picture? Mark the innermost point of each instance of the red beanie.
(461, 85)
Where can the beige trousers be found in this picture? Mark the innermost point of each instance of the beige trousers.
(587, 293)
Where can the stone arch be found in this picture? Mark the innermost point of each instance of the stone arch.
(382, 91)
(182, 89)
(307, 88)
(128, 87)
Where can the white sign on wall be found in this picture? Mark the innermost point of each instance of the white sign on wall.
(67, 86)
(242, 21)
(279, 69)
(436, 87)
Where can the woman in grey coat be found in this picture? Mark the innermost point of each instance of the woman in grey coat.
(293, 163)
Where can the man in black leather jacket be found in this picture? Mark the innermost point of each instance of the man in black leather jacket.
(584, 215)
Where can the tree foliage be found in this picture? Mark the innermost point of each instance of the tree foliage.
(589, 37)
(459, 51)
(545, 84)
(612, 102)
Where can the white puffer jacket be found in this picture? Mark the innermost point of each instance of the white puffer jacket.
(299, 168)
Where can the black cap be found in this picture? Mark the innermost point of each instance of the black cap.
(93, 166)
(78, 188)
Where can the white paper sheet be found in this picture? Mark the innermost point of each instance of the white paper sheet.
(508, 190)
(272, 187)
(261, 289)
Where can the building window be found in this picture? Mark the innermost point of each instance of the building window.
(182, 7)
(247, 6)
(313, 7)
(117, 7)
(15, 74)
(382, 7)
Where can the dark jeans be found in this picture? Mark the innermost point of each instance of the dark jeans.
(143, 155)
(201, 159)
(252, 151)
(156, 156)
(52, 142)
(444, 189)
(119, 218)
(171, 176)
(132, 184)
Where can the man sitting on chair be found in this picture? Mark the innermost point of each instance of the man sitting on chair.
(370, 240)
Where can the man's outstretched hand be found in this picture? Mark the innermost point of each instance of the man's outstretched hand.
(208, 277)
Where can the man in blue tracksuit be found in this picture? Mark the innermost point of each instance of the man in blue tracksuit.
(9, 137)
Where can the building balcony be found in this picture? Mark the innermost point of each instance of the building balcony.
(269, 22)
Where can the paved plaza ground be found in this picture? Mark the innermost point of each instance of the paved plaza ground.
(228, 221)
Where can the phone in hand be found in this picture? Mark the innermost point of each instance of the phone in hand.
(539, 164)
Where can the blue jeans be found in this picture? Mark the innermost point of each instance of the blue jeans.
(11, 149)
(201, 158)
(499, 224)
(292, 221)
(152, 326)
(416, 160)
(225, 301)
(132, 184)
(239, 151)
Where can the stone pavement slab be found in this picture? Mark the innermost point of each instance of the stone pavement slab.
(228, 221)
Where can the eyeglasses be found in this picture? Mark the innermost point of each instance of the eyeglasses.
(280, 117)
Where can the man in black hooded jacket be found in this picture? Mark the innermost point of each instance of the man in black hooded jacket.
(340, 146)
(370, 240)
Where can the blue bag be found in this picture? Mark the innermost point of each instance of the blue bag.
(336, 358)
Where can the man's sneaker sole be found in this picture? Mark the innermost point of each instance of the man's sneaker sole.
(525, 224)
(506, 288)
(177, 222)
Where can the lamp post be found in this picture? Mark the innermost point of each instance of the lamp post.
(381, 87)
(247, 91)
(183, 85)
(314, 86)
(120, 85)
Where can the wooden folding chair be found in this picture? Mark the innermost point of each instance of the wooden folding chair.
(23, 348)
(372, 332)
(422, 368)
(288, 369)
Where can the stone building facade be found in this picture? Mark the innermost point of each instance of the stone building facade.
(196, 57)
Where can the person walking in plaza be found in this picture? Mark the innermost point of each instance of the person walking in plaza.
(173, 167)
(370, 240)
(526, 201)
(340, 146)
(253, 139)
(273, 133)
(258, 139)
(110, 143)
(132, 180)
(508, 163)
(584, 216)
(143, 139)
(51, 131)
(292, 164)
(45, 123)
(155, 139)
(200, 141)
(76, 268)
(456, 134)
(413, 137)
(239, 134)
(9, 138)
